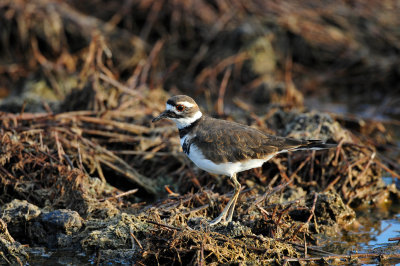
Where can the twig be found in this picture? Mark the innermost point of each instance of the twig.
(136, 240)
(348, 257)
(165, 225)
(66, 157)
(126, 193)
(119, 86)
(59, 147)
(132, 128)
(196, 209)
(387, 169)
(170, 192)
(98, 257)
(300, 167)
(263, 212)
(309, 217)
(287, 209)
(158, 153)
(153, 54)
(281, 170)
(80, 161)
(116, 163)
(151, 19)
(338, 149)
(311, 249)
(390, 162)
(269, 193)
(361, 175)
(202, 262)
(222, 89)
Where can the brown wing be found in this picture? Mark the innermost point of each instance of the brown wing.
(224, 141)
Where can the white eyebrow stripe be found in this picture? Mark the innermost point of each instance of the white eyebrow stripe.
(187, 104)
(170, 107)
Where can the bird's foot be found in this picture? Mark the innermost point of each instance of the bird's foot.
(217, 220)
(226, 215)
(221, 219)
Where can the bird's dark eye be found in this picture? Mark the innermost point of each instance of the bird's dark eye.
(180, 107)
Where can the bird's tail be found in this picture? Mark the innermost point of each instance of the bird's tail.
(314, 145)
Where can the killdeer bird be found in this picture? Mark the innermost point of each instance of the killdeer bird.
(226, 148)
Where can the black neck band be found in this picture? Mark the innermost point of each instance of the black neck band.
(185, 130)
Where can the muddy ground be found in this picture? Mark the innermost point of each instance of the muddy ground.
(84, 171)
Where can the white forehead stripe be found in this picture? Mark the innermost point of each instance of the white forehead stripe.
(187, 104)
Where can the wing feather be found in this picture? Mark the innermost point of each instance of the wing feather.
(225, 141)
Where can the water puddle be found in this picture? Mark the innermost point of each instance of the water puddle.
(42, 256)
(374, 233)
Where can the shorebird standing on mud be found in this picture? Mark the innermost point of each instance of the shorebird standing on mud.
(226, 148)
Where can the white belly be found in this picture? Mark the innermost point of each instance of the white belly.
(228, 169)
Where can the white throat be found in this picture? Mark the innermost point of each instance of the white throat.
(187, 121)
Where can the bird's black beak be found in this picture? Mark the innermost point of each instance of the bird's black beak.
(161, 116)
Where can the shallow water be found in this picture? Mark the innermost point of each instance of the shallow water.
(373, 234)
(41, 256)
(381, 224)
(388, 229)
(376, 227)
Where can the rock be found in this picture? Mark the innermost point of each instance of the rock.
(55, 229)
(113, 233)
(309, 125)
(66, 221)
(11, 251)
(232, 229)
(330, 213)
(120, 256)
(29, 224)
(18, 214)
(330, 209)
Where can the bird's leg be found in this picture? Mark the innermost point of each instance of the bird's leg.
(235, 197)
(228, 210)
